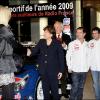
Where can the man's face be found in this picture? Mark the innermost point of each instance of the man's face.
(95, 35)
(80, 34)
(58, 27)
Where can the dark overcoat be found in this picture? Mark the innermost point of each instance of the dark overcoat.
(50, 58)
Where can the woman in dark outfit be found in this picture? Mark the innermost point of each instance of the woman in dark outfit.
(51, 62)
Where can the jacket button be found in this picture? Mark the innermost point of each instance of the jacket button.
(46, 55)
(45, 62)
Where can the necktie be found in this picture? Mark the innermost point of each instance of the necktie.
(59, 38)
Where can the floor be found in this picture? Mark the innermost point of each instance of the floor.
(88, 89)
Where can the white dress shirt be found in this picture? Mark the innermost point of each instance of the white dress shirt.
(94, 55)
(77, 56)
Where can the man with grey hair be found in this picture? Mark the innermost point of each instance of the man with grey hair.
(64, 39)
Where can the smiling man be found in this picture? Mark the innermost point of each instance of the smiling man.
(77, 63)
(94, 60)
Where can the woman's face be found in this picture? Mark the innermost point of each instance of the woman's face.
(47, 35)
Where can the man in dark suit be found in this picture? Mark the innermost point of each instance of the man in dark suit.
(64, 40)
(51, 62)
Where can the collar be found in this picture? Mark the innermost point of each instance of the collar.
(78, 41)
(59, 34)
(97, 40)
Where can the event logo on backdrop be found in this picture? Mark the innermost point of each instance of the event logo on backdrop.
(66, 26)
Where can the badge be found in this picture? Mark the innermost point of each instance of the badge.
(92, 45)
(76, 47)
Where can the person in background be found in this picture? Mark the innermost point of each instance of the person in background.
(76, 57)
(7, 65)
(64, 39)
(94, 60)
(51, 62)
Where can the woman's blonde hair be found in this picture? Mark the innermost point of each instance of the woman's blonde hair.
(5, 15)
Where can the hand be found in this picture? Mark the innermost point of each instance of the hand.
(64, 45)
(29, 52)
(70, 71)
(17, 96)
(59, 75)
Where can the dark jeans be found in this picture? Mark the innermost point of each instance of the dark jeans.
(96, 83)
(78, 81)
(8, 92)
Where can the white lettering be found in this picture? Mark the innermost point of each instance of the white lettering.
(44, 7)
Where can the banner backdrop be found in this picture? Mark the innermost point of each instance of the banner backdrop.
(43, 10)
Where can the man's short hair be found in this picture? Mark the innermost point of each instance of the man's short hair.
(81, 28)
(96, 29)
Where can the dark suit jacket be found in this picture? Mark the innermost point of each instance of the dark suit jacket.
(66, 38)
(50, 58)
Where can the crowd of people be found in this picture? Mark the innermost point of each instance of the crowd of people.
(80, 56)
(58, 57)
